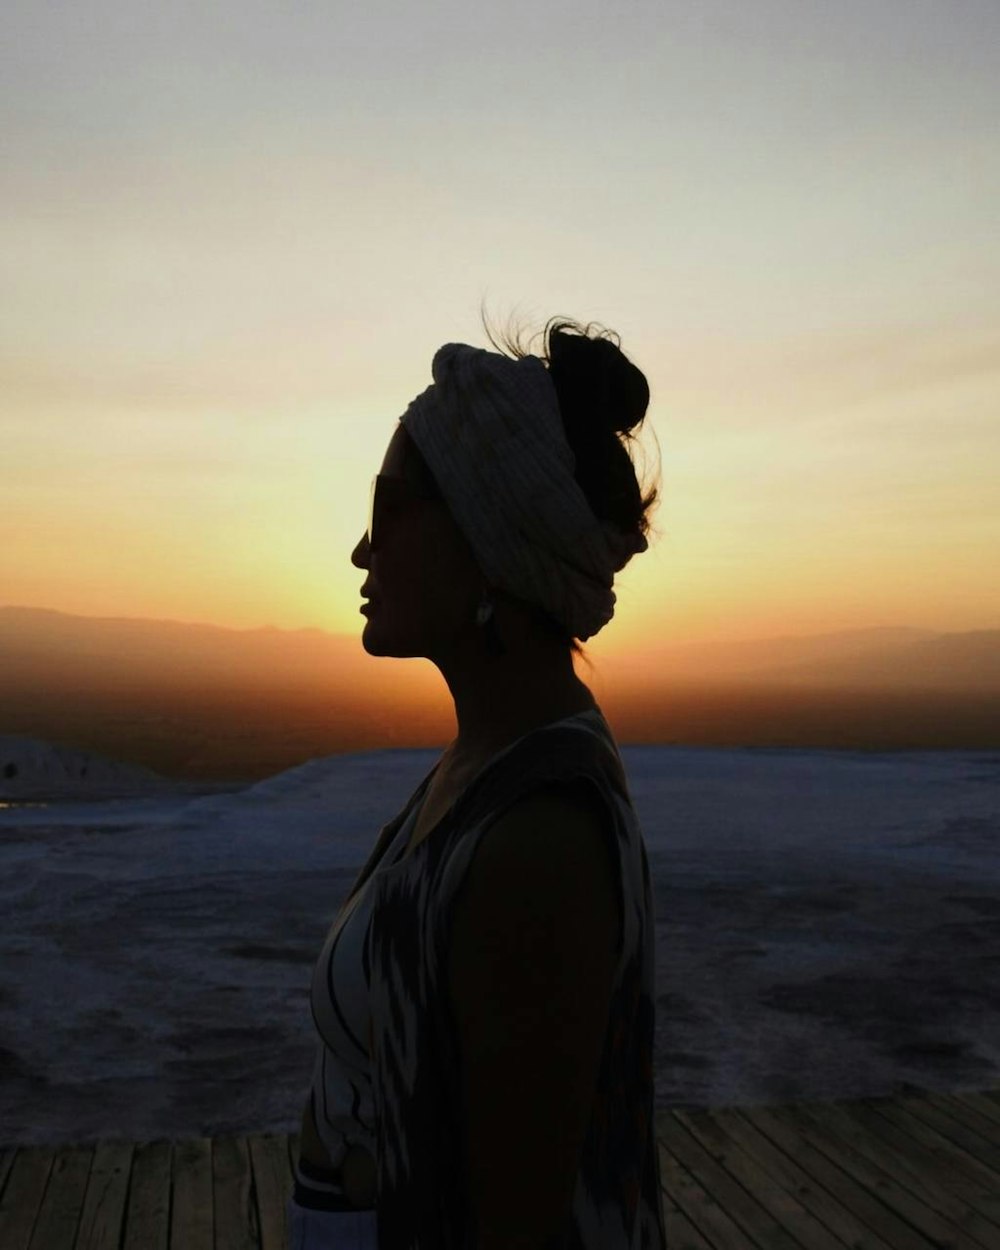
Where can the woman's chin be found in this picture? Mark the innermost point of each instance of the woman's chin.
(375, 643)
(371, 641)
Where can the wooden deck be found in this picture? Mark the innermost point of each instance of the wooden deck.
(914, 1173)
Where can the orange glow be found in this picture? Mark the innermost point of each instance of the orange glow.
(201, 701)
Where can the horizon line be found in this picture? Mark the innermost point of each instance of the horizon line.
(318, 629)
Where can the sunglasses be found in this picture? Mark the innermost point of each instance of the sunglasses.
(388, 495)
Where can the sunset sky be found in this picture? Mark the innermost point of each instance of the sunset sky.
(233, 235)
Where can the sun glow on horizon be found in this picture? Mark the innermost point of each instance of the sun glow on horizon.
(233, 241)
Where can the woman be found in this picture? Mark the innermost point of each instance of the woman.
(484, 999)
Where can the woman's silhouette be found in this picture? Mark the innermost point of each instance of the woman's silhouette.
(484, 1000)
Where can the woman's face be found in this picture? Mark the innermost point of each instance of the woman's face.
(423, 581)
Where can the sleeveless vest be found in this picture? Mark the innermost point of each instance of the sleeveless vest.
(422, 1195)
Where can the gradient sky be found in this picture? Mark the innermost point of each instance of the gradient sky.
(234, 234)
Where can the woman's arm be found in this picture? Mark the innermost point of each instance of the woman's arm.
(532, 964)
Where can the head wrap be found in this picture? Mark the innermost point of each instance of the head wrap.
(490, 431)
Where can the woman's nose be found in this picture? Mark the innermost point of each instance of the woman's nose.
(360, 554)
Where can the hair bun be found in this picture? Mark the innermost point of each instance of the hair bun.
(600, 391)
(602, 397)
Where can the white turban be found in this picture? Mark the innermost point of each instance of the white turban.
(490, 431)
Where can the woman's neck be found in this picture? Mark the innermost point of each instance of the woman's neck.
(486, 726)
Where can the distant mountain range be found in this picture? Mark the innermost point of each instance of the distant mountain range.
(205, 702)
(120, 653)
(116, 653)
(896, 658)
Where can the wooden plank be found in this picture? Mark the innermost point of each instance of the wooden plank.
(22, 1195)
(795, 1140)
(974, 1144)
(62, 1202)
(909, 1173)
(272, 1186)
(912, 1167)
(232, 1182)
(976, 1115)
(832, 1214)
(759, 1225)
(669, 1205)
(103, 1214)
(925, 1151)
(699, 1207)
(191, 1213)
(965, 1114)
(147, 1211)
(6, 1163)
(963, 1176)
(940, 1137)
(911, 1202)
(682, 1234)
(875, 1170)
(979, 1103)
(778, 1199)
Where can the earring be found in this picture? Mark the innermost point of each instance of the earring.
(485, 610)
(487, 622)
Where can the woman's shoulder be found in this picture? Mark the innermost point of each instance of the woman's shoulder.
(546, 856)
(551, 819)
(557, 760)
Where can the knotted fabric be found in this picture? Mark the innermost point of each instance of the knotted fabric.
(490, 431)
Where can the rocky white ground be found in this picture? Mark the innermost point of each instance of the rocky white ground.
(33, 769)
(828, 926)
